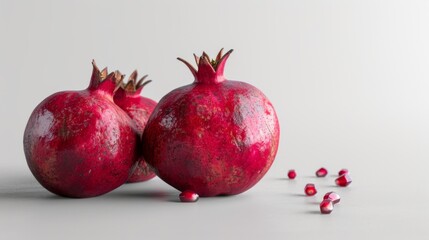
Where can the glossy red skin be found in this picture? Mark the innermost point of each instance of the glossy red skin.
(139, 109)
(79, 143)
(212, 138)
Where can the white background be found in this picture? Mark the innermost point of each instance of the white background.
(349, 80)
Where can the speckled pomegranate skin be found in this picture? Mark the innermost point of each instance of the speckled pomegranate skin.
(79, 143)
(214, 136)
(139, 108)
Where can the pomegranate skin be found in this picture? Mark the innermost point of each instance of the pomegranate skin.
(139, 108)
(79, 143)
(214, 136)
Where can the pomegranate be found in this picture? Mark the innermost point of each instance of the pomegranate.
(214, 136)
(79, 143)
(139, 109)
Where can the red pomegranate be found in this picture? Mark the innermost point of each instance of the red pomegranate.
(214, 136)
(80, 143)
(139, 108)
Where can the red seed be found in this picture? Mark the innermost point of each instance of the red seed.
(310, 189)
(188, 196)
(343, 171)
(322, 172)
(326, 206)
(291, 174)
(333, 196)
(344, 180)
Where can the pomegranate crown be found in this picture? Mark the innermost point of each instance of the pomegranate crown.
(134, 86)
(208, 70)
(101, 80)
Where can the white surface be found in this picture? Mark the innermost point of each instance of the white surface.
(349, 80)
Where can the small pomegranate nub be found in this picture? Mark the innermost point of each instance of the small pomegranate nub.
(322, 172)
(291, 174)
(326, 206)
(188, 196)
(333, 196)
(344, 180)
(310, 189)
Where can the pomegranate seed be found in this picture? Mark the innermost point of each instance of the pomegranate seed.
(326, 206)
(291, 174)
(188, 196)
(322, 172)
(310, 189)
(343, 171)
(344, 180)
(333, 196)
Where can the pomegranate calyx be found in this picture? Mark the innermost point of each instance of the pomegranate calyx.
(134, 86)
(209, 70)
(101, 80)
